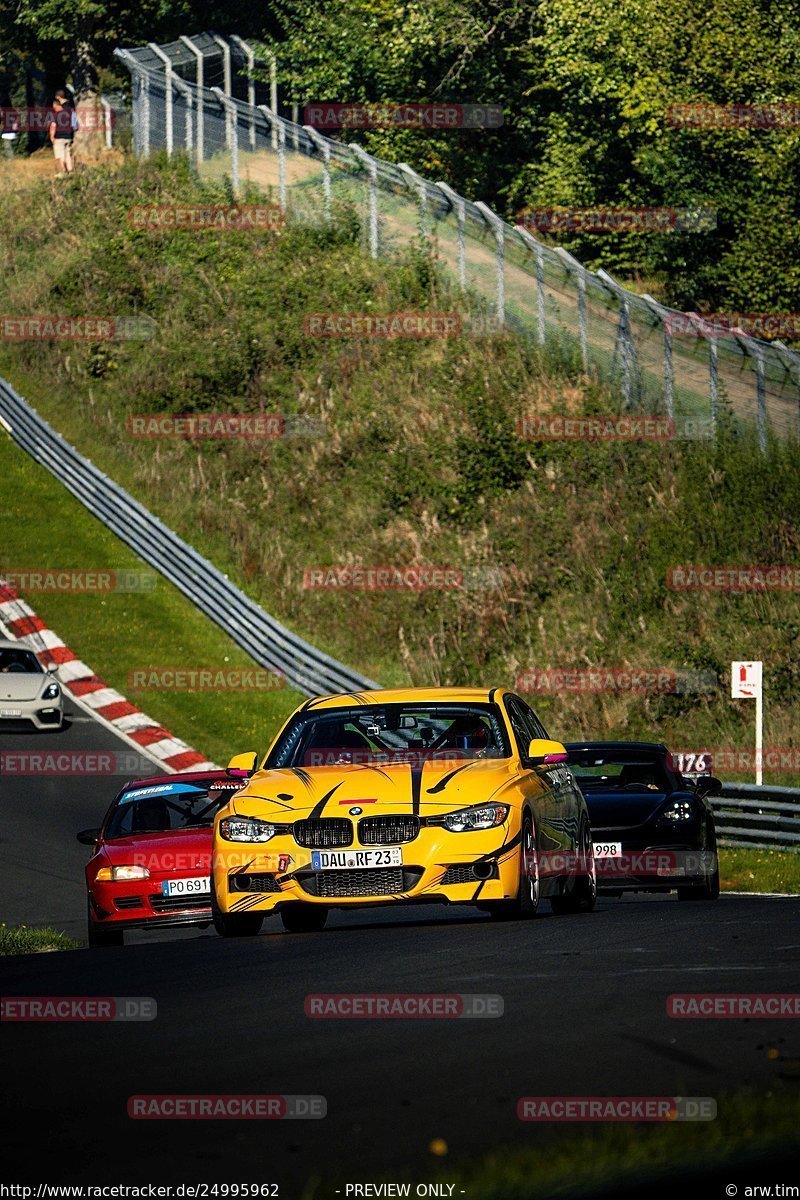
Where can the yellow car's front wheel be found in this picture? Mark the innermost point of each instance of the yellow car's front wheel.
(526, 904)
(234, 924)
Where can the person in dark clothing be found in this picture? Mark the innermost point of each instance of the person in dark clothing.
(62, 131)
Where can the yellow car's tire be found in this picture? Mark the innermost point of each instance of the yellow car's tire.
(304, 918)
(231, 925)
(526, 905)
(583, 895)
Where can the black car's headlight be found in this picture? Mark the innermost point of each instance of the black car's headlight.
(484, 816)
(246, 829)
(51, 692)
(677, 812)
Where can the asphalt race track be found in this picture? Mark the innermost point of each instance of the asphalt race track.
(584, 1014)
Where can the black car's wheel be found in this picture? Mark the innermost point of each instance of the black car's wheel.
(709, 888)
(304, 918)
(231, 925)
(98, 937)
(526, 904)
(583, 895)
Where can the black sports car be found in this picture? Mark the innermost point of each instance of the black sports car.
(652, 829)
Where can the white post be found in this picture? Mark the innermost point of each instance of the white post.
(231, 133)
(324, 146)
(167, 61)
(760, 735)
(416, 182)
(107, 121)
(494, 222)
(250, 55)
(184, 89)
(372, 169)
(458, 205)
(198, 54)
(276, 125)
(226, 77)
(747, 683)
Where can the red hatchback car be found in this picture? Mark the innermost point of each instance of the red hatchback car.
(151, 865)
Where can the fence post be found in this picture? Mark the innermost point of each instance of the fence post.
(791, 365)
(417, 183)
(276, 125)
(458, 204)
(167, 61)
(107, 121)
(664, 318)
(583, 322)
(232, 132)
(372, 168)
(198, 54)
(227, 77)
(536, 247)
(324, 146)
(250, 56)
(623, 347)
(761, 398)
(499, 226)
(188, 94)
(713, 380)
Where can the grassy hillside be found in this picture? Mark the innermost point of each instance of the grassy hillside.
(417, 462)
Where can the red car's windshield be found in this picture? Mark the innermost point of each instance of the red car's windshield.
(161, 808)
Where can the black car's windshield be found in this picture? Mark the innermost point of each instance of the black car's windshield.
(389, 733)
(15, 659)
(640, 774)
(160, 808)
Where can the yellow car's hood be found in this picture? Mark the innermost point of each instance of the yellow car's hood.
(425, 789)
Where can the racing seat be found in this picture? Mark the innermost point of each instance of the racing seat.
(152, 816)
(643, 777)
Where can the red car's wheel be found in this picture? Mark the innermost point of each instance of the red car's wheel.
(98, 936)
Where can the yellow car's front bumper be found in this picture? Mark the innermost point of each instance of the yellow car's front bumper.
(456, 868)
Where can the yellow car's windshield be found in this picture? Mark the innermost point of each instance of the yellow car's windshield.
(388, 733)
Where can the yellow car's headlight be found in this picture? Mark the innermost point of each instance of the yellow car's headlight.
(118, 874)
(485, 816)
(246, 829)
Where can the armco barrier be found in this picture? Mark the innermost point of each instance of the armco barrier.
(758, 817)
(267, 641)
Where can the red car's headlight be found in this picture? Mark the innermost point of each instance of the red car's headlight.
(118, 874)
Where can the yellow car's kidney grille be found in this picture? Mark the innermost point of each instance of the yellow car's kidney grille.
(387, 831)
(320, 833)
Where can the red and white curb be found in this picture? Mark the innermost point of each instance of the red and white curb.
(104, 703)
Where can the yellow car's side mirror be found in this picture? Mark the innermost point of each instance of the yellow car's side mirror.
(544, 753)
(242, 766)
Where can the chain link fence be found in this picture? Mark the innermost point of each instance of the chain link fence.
(197, 96)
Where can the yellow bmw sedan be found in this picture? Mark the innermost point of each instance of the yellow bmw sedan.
(413, 796)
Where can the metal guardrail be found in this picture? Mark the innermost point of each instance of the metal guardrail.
(264, 638)
(758, 817)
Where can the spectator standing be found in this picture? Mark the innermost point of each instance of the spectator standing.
(62, 131)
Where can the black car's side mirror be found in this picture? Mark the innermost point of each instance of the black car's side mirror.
(708, 785)
(88, 837)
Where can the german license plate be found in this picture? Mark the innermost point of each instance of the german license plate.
(353, 860)
(10, 712)
(196, 886)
